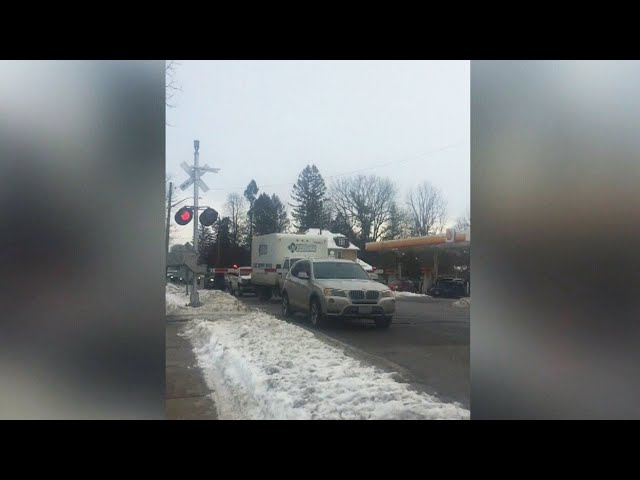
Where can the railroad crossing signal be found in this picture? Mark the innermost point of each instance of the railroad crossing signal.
(201, 171)
(184, 216)
(208, 217)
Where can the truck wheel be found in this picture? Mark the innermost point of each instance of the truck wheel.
(286, 308)
(315, 314)
(264, 294)
(384, 322)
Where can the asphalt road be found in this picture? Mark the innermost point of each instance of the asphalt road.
(429, 338)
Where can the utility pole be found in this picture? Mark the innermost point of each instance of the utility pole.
(169, 216)
(195, 297)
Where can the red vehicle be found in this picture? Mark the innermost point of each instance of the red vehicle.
(402, 286)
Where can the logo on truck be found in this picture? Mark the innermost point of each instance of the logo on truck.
(297, 247)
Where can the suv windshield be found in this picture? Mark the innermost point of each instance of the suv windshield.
(339, 270)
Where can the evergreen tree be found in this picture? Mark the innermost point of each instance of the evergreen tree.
(340, 224)
(206, 240)
(223, 241)
(250, 194)
(282, 218)
(308, 194)
(269, 215)
(397, 226)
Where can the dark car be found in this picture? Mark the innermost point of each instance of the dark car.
(216, 281)
(449, 288)
(402, 286)
(174, 276)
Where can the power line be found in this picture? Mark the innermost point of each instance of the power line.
(396, 161)
(393, 162)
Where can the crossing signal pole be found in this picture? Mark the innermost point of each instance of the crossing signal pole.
(186, 214)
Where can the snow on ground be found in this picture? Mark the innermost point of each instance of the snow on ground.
(263, 368)
(409, 294)
(462, 303)
(214, 301)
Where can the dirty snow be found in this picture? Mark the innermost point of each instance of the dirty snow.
(409, 294)
(263, 368)
(213, 301)
(462, 303)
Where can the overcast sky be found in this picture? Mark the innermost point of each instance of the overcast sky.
(266, 120)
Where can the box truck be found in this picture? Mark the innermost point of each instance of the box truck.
(273, 255)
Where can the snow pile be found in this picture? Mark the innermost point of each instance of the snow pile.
(462, 303)
(263, 368)
(213, 301)
(175, 298)
(409, 294)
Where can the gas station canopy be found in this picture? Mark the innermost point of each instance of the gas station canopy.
(450, 239)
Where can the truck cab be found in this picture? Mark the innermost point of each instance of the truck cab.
(239, 281)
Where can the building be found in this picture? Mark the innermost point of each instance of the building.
(346, 253)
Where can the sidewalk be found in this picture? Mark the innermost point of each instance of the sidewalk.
(187, 395)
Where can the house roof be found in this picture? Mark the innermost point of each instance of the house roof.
(330, 236)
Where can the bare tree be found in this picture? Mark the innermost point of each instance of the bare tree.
(171, 86)
(236, 210)
(427, 210)
(365, 202)
(463, 223)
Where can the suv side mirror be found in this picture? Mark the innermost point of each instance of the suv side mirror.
(303, 275)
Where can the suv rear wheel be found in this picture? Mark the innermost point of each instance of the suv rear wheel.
(286, 307)
(315, 313)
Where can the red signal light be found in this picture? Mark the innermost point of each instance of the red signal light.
(184, 216)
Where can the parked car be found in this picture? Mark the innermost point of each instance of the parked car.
(449, 288)
(174, 276)
(216, 281)
(332, 288)
(403, 286)
(240, 281)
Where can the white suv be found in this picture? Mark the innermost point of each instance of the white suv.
(336, 288)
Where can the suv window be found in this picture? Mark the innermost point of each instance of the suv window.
(339, 270)
(296, 268)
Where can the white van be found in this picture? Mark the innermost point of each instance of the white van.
(273, 255)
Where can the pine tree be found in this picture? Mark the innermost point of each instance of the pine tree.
(340, 224)
(250, 194)
(282, 218)
(308, 194)
(398, 224)
(206, 239)
(269, 215)
(223, 241)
